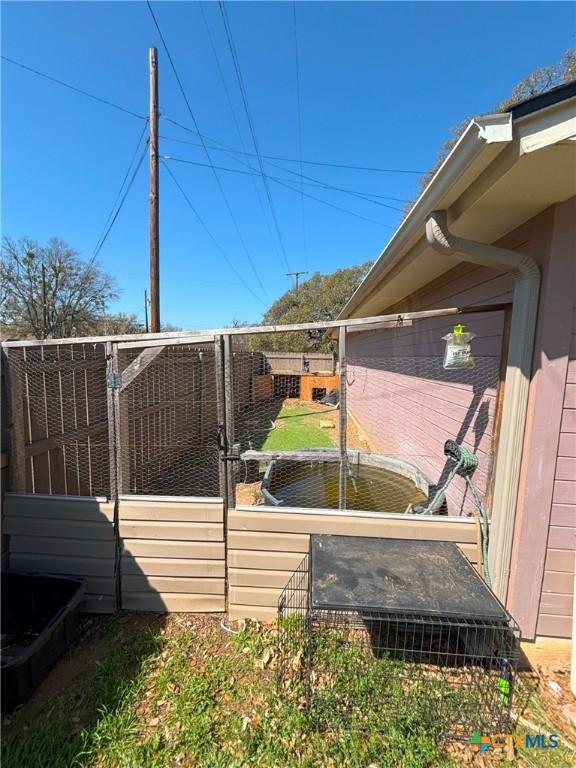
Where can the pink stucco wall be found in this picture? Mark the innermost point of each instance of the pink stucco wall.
(408, 405)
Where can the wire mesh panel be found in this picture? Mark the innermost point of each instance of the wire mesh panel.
(370, 434)
(373, 669)
(280, 424)
(169, 421)
(405, 399)
(59, 415)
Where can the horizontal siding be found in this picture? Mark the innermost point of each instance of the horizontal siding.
(172, 555)
(172, 511)
(160, 566)
(556, 600)
(195, 550)
(67, 536)
(173, 603)
(151, 529)
(349, 525)
(169, 584)
(266, 547)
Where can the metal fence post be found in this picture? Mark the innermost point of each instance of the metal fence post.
(229, 407)
(343, 419)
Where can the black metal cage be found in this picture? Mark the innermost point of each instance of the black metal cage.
(371, 669)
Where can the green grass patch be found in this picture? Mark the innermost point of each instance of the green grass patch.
(190, 695)
(296, 429)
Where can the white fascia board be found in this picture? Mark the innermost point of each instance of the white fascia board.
(553, 125)
(483, 139)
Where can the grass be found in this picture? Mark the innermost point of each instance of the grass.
(189, 694)
(297, 428)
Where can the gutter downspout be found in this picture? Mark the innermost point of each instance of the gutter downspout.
(519, 367)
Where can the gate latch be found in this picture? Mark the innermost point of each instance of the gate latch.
(223, 446)
(114, 380)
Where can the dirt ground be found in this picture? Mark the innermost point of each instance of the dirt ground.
(543, 701)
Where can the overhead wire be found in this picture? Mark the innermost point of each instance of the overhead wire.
(374, 169)
(316, 182)
(107, 102)
(100, 241)
(234, 117)
(209, 232)
(244, 96)
(299, 124)
(207, 153)
(104, 237)
(282, 183)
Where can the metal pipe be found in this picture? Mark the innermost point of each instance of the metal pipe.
(519, 367)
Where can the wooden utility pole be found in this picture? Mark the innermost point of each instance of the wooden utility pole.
(154, 198)
(44, 305)
(296, 276)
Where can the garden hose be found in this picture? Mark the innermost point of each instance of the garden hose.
(465, 464)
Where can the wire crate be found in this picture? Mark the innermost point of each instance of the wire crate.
(372, 668)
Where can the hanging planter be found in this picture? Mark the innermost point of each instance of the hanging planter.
(458, 352)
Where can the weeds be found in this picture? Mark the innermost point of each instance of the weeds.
(188, 694)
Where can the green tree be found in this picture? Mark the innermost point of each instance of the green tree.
(319, 298)
(49, 291)
(539, 81)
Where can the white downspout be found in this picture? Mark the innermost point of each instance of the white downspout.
(522, 332)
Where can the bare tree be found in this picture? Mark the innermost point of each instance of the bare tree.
(539, 81)
(48, 291)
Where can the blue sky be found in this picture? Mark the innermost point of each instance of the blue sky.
(381, 86)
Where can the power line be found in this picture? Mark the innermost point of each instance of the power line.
(281, 182)
(305, 162)
(299, 116)
(74, 88)
(244, 96)
(254, 172)
(234, 117)
(191, 113)
(104, 237)
(311, 179)
(117, 198)
(209, 233)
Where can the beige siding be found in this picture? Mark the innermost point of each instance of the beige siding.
(65, 535)
(172, 555)
(266, 546)
(555, 613)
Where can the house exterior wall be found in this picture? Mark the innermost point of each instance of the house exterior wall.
(542, 566)
(404, 400)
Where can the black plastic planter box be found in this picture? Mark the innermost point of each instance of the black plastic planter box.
(39, 620)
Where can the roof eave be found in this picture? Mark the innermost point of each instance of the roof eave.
(482, 140)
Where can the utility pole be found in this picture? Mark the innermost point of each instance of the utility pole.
(44, 306)
(154, 197)
(296, 276)
(146, 311)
